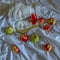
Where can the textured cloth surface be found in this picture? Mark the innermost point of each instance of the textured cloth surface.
(29, 50)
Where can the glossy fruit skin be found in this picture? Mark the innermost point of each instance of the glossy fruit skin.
(41, 20)
(33, 18)
(9, 30)
(47, 27)
(48, 47)
(51, 21)
(24, 37)
(34, 38)
(15, 49)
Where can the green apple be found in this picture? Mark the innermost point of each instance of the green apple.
(34, 38)
(9, 30)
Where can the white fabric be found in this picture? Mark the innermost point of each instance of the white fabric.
(29, 50)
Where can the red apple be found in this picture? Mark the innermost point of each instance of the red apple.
(47, 27)
(15, 49)
(33, 22)
(51, 21)
(24, 37)
(41, 20)
(48, 47)
(33, 18)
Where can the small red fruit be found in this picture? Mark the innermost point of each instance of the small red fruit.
(15, 49)
(41, 20)
(48, 47)
(33, 18)
(34, 22)
(24, 37)
(47, 27)
(51, 21)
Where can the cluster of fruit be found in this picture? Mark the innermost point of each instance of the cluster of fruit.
(46, 23)
(24, 37)
(34, 38)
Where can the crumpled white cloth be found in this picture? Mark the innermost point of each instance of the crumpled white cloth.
(29, 50)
